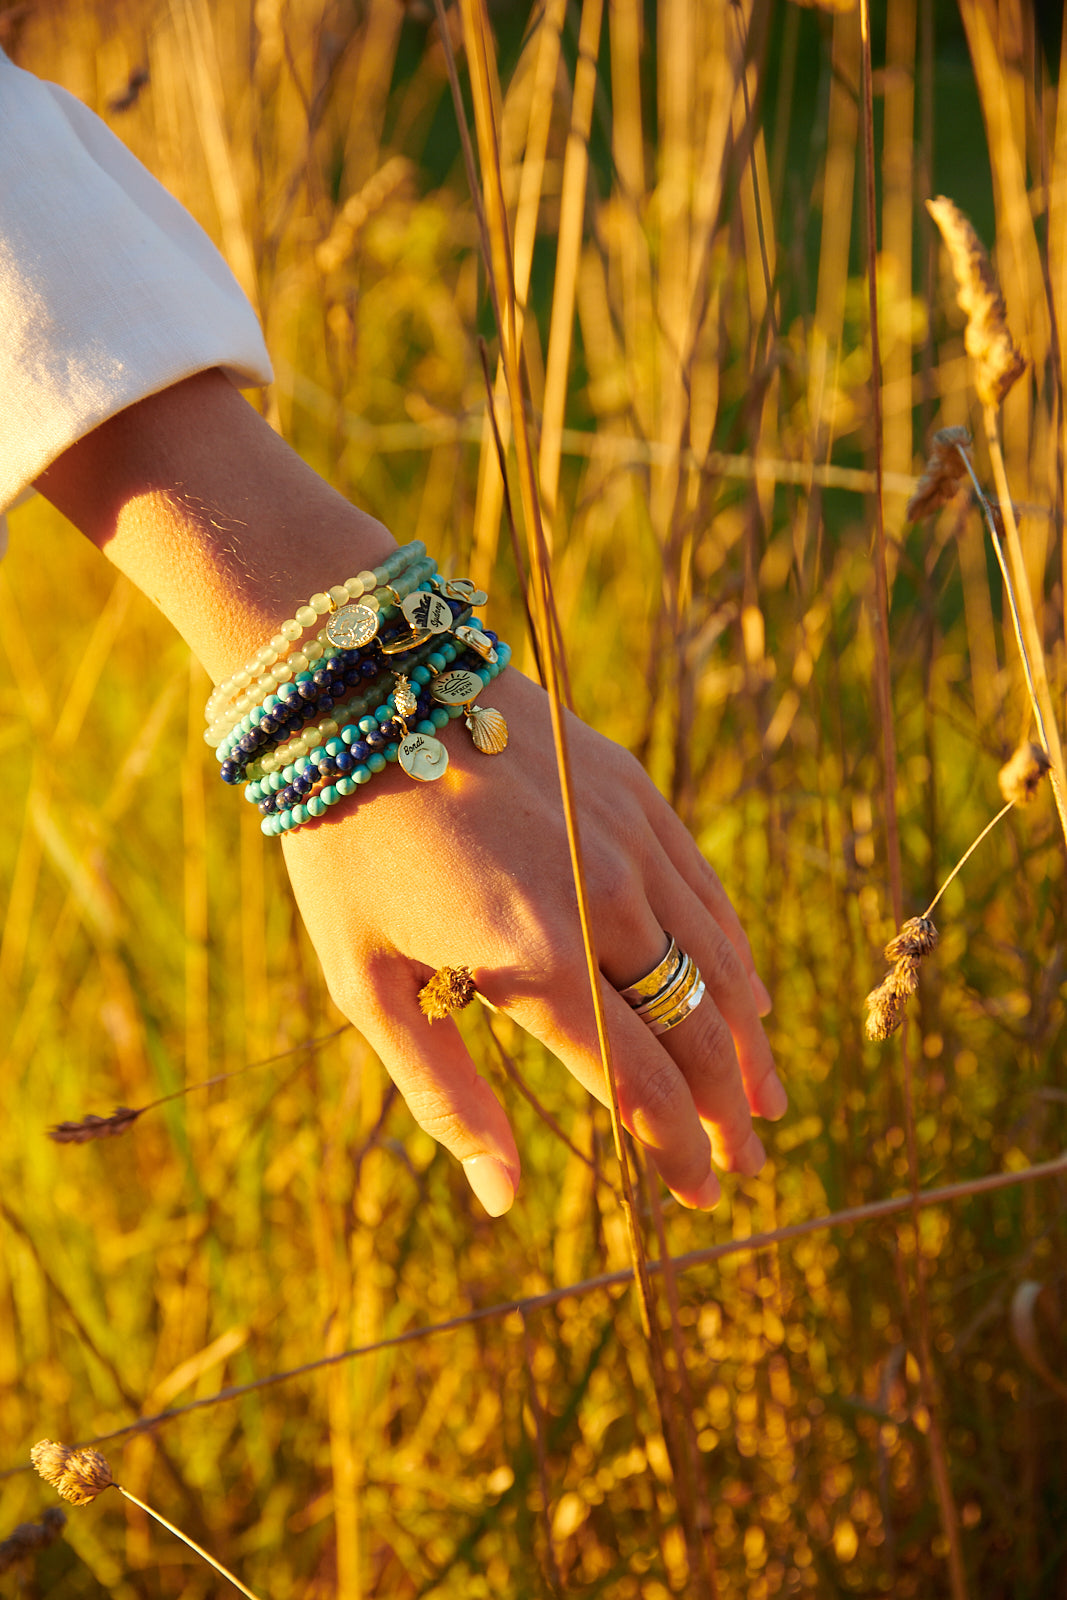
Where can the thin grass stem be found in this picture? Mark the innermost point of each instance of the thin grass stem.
(872, 1211)
(938, 1459)
(184, 1537)
(968, 853)
(1026, 625)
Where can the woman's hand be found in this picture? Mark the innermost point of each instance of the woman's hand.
(193, 496)
(474, 870)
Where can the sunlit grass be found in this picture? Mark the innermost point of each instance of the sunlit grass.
(718, 615)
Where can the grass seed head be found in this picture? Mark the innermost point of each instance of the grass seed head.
(885, 1011)
(450, 989)
(94, 1127)
(1020, 778)
(998, 360)
(78, 1475)
(915, 940)
(904, 978)
(941, 474)
(22, 1541)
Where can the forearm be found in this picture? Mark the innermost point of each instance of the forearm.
(211, 515)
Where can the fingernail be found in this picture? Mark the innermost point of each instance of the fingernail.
(774, 1102)
(761, 994)
(491, 1182)
(708, 1195)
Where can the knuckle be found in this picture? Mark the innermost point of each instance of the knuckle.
(660, 1094)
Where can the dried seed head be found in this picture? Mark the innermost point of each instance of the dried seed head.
(916, 939)
(450, 989)
(30, 1536)
(941, 474)
(1020, 778)
(78, 1475)
(885, 1012)
(904, 978)
(998, 360)
(94, 1127)
(50, 1459)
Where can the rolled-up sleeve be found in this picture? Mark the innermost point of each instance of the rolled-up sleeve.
(109, 291)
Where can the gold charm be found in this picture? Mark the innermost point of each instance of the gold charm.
(425, 610)
(457, 688)
(422, 757)
(406, 642)
(403, 698)
(488, 729)
(463, 589)
(477, 641)
(353, 626)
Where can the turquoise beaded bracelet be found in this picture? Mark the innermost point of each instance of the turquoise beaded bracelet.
(425, 751)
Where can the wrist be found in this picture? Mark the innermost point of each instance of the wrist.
(212, 516)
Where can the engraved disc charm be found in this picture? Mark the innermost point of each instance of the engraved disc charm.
(422, 757)
(424, 610)
(457, 688)
(477, 641)
(352, 627)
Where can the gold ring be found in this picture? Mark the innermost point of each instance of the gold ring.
(654, 982)
(669, 993)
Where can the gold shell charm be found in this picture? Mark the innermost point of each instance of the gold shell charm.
(488, 729)
(403, 699)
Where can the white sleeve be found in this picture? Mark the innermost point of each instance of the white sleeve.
(109, 291)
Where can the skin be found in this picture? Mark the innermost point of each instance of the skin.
(198, 501)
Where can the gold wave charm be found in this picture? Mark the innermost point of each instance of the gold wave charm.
(423, 757)
(488, 729)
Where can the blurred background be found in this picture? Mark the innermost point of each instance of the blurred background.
(876, 1408)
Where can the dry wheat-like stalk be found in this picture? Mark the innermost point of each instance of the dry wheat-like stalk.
(997, 358)
(79, 1475)
(93, 1127)
(906, 950)
(942, 474)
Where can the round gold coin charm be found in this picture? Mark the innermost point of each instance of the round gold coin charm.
(422, 757)
(352, 626)
(457, 688)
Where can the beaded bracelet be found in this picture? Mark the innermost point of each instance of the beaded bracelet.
(295, 706)
(418, 752)
(348, 625)
(371, 727)
(281, 643)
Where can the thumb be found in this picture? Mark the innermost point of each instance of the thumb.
(432, 1068)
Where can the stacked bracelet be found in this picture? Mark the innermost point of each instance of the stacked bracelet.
(277, 659)
(316, 782)
(397, 659)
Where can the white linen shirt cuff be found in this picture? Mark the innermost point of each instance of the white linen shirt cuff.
(109, 291)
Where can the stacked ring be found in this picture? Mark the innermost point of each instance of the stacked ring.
(665, 996)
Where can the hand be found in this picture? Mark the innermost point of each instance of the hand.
(474, 870)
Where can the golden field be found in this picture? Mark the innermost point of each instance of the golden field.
(873, 1406)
